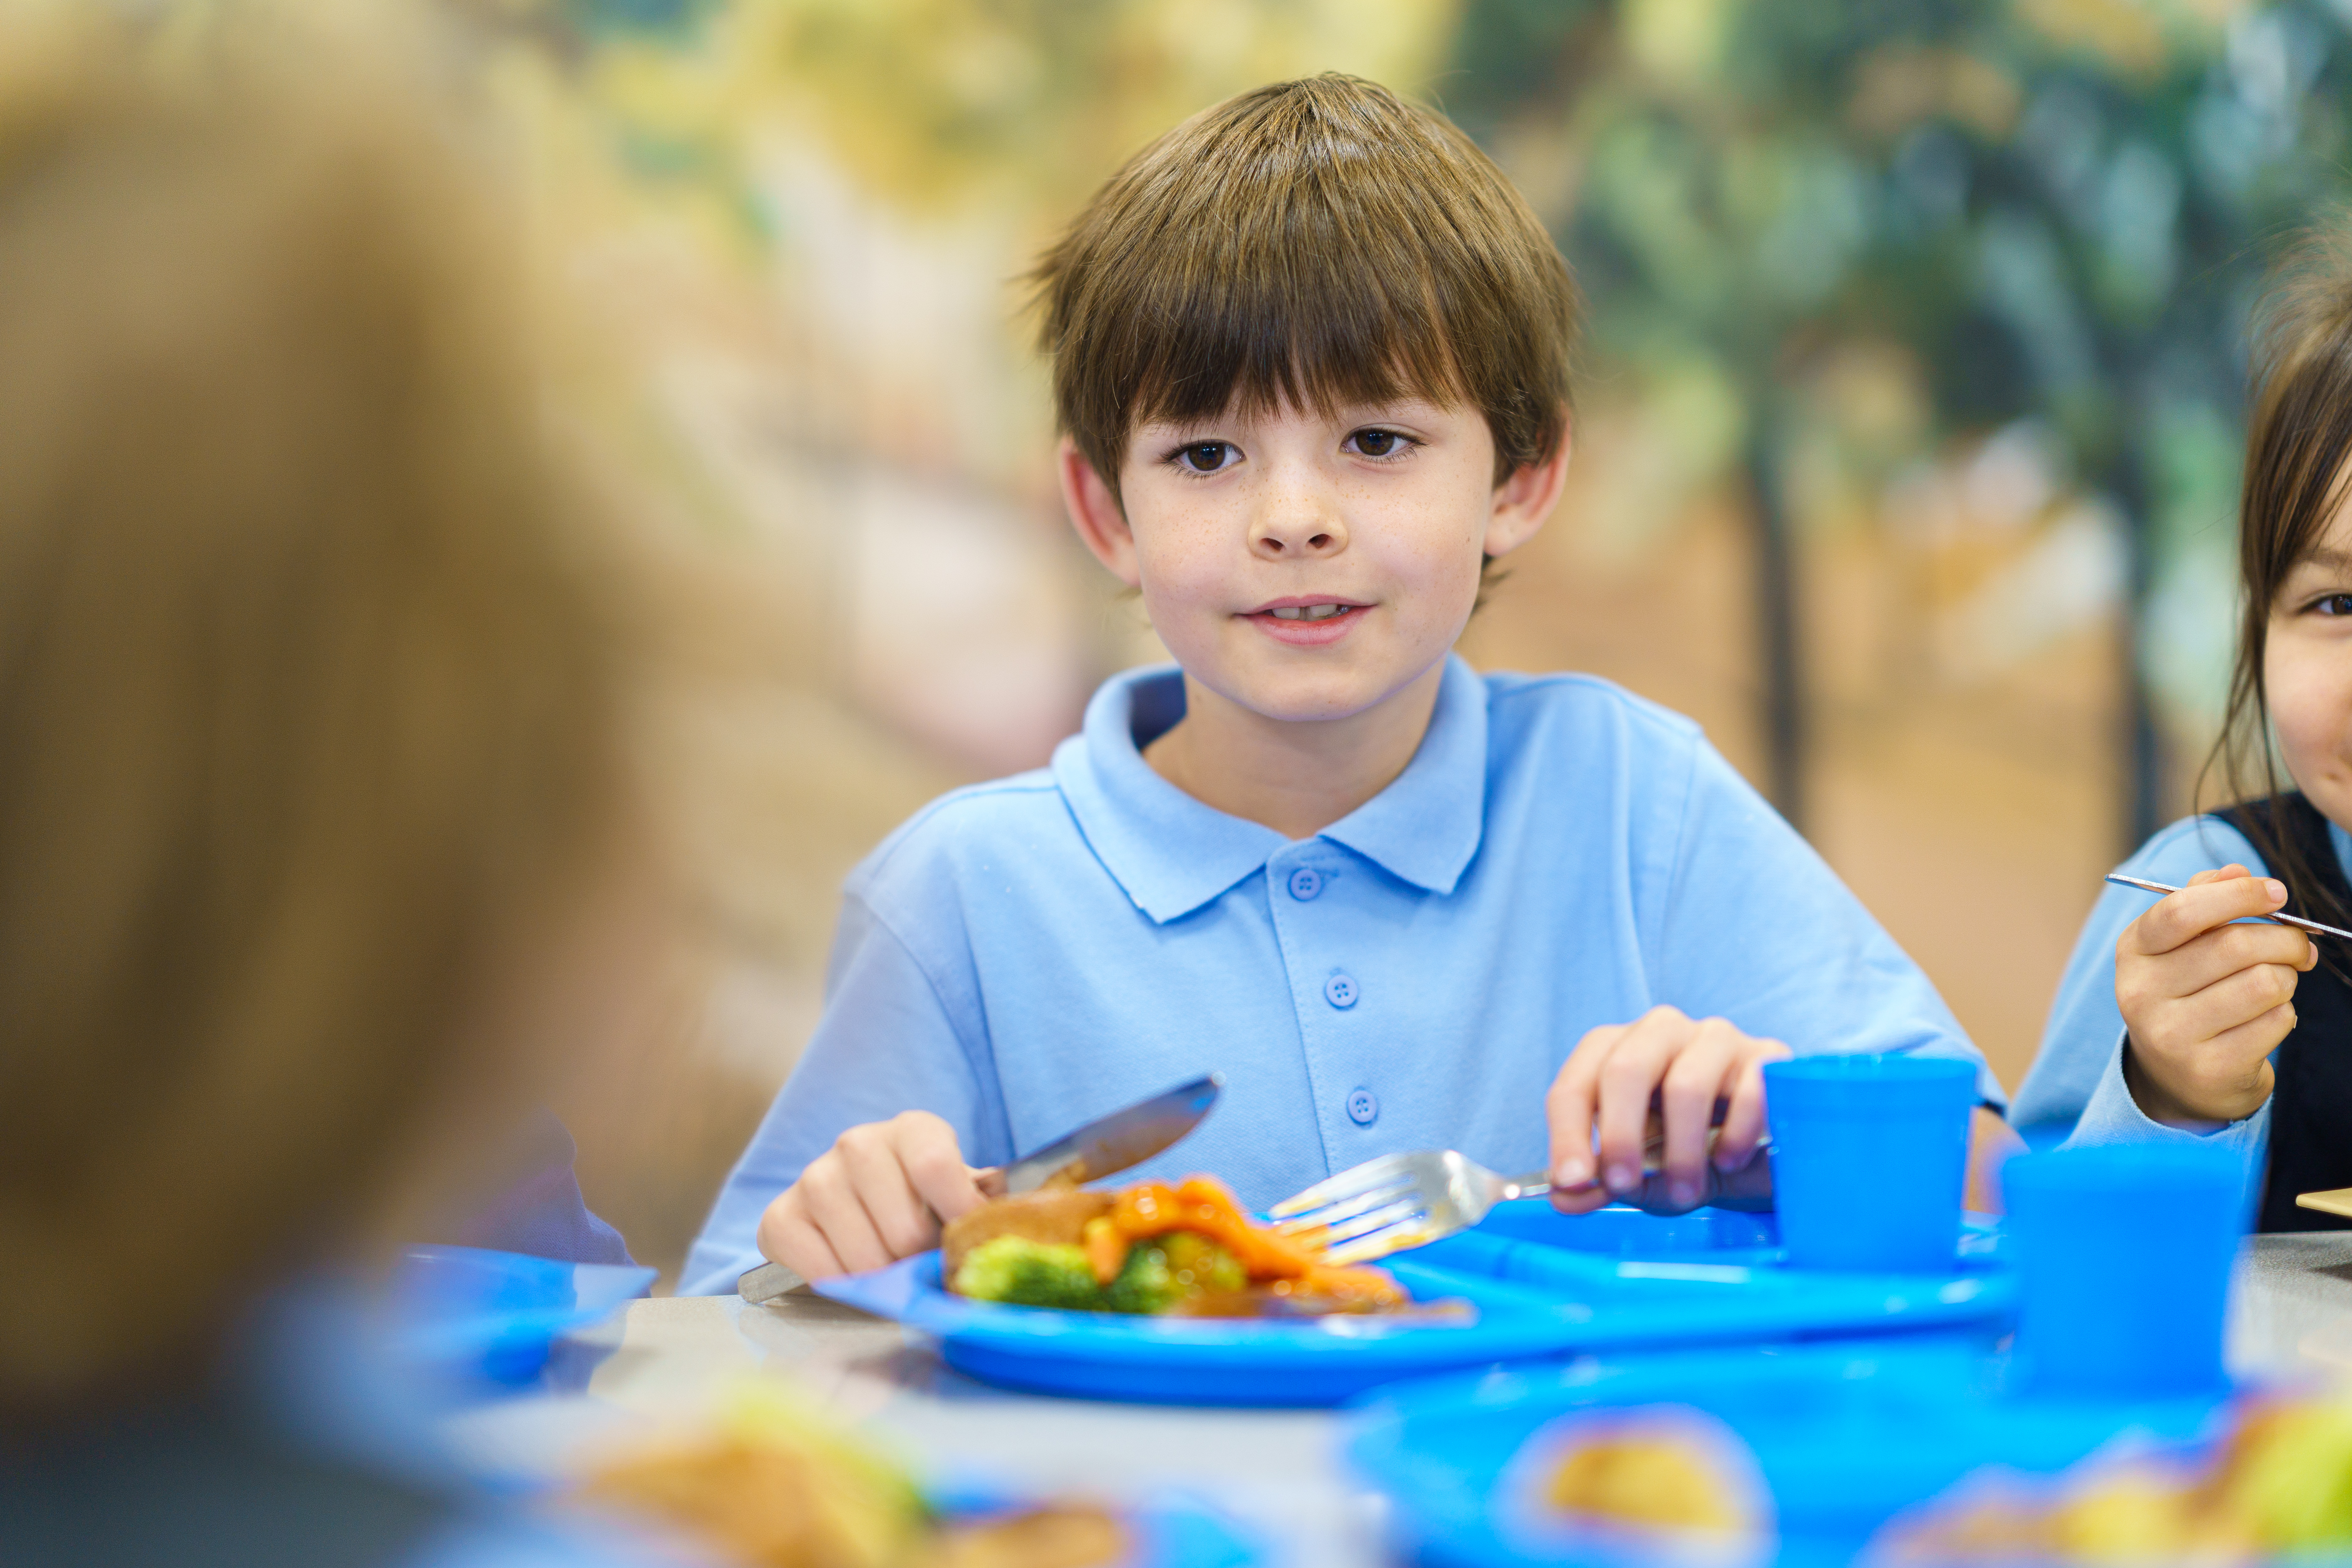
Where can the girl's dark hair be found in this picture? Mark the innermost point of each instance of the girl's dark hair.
(2298, 440)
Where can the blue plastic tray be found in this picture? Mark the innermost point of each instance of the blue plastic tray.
(1543, 1285)
(1845, 1437)
(467, 1312)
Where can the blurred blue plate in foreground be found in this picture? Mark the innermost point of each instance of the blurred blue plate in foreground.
(467, 1313)
(1542, 1285)
(1845, 1437)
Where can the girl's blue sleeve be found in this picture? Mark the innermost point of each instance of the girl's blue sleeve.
(2076, 1094)
(896, 1036)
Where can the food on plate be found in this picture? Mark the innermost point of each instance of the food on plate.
(771, 1485)
(1677, 1478)
(1182, 1250)
(2278, 1484)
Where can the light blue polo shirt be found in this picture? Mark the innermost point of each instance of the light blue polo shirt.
(1025, 955)
(2074, 1096)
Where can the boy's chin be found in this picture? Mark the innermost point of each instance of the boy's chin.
(1312, 695)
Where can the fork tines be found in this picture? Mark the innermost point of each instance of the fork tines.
(1358, 1213)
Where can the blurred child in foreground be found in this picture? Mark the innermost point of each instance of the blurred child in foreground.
(317, 846)
(2191, 1020)
(1310, 356)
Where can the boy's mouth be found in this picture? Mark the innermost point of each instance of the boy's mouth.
(1308, 621)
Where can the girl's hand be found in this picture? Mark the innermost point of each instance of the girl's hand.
(2208, 999)
(1606, 1085)
(878, 1195)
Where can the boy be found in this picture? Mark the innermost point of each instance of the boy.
(1310, 355)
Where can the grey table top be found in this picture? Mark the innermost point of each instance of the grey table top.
(1276, 1472)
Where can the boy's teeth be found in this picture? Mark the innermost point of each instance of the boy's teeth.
(1307, 612)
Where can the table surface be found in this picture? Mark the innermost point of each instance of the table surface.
(1275, 1472)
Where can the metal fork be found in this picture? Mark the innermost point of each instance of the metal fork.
(1397, 1201)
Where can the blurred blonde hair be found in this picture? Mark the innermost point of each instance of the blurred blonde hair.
(309, 702)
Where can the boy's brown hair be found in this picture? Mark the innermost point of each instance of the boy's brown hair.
(309, 708)
(1317, 243)
(2298, 455)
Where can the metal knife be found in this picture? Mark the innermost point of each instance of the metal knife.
(1103, 1147)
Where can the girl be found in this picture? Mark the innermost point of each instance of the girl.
(2191, 1019)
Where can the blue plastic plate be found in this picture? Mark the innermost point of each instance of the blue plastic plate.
(1542, 1285)
(496, 1316)
(1845, 1437)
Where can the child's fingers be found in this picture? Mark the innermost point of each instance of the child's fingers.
(2197, 966)
(1568, 1112)
(933, 1161)
(834, 1208)
(1744, 1115)
(1695, 1079)
(901, 1220)
(787, 1237)
(2181, 917)
(2232, 1002)
(1635, 1068)
(2219, 874)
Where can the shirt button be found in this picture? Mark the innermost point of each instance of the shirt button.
(1363, 1106)
(1340, 991)
(1304, 883)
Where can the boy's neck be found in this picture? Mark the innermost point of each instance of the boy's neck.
(1295, 776)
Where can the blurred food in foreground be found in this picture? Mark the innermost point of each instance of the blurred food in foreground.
(1186, 1250)
(2278, 1484)
(770, 1483)
(1675, 1481)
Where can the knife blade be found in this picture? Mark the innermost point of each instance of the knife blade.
(1103, 1147)
(1119, 1142)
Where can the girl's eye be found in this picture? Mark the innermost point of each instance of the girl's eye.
(1205, 456)
(2335, 605)
(1378, 443)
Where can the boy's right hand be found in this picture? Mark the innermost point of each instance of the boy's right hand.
(2206, 998)
(878, 1195)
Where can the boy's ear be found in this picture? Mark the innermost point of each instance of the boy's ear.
(1526, 498)
(1095, 512)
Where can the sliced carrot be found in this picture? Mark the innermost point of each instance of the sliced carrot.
(1207, 1206)
(1106, 1249)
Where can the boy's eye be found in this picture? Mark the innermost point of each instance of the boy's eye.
(1377, 443)
(1205, 456)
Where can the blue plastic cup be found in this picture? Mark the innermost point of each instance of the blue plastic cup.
(2126, 1254)
(1869, 1156)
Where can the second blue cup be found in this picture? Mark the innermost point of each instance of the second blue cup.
(2127, 1253)
(1869, 1157)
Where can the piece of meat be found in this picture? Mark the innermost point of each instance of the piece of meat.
(1048, 1214)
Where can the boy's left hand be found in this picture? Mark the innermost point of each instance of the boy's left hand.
(1605, 1087)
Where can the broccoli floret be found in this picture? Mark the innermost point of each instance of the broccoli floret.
(1026, 1273)
(1145, 1282)
(1165, 1272)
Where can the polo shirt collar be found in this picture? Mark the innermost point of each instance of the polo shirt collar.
(1172, 854)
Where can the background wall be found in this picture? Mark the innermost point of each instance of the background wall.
(1905, 458)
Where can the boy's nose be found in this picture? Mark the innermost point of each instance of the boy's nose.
(1294, 522)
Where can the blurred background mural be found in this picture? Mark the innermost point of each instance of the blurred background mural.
(1906, 451)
